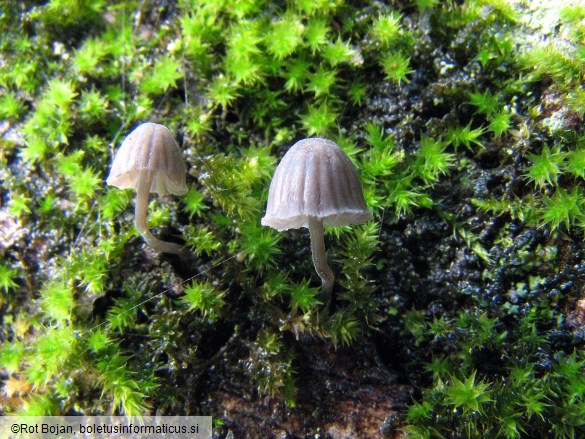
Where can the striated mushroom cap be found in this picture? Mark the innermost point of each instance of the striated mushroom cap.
(150, 147)
(315, 178)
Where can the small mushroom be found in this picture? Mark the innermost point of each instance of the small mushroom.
(149, 160)
(316, 185)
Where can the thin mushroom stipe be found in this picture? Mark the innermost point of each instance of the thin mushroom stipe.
(149, 160)
(316, 185)
(141, 217)
(317, 235)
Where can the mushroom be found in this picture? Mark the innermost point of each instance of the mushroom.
(149, 160)
(316, 185)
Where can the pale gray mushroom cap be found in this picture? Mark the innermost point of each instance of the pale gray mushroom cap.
(150, 147)
(315, 178)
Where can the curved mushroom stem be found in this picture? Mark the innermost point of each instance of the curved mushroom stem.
(317, 234)
(140, 210)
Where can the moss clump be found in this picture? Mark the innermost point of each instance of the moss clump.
(466, 130)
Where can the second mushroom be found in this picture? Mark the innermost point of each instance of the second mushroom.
(149, 160)
(316, 185)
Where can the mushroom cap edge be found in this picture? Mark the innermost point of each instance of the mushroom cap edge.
(315, 179)
(149, 147)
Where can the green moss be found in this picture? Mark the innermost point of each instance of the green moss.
(11, 355)
(284, 36)
(201, 296)
(57, 302)
(321, 82)
(470, 150)
(343, 329)
(562, 209)
(386, 28)
(7, 278)
(396, 66)
(164, 75)
(432, 161)
(319, 120)
(304, 298)
(127, 390)
(500, 123)
(222, 91)
(545, 167)
(10, 106)
(51, 357)
(19, 204)
(316, 33)
(466, 136)
(260, 245)
(484, 102)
